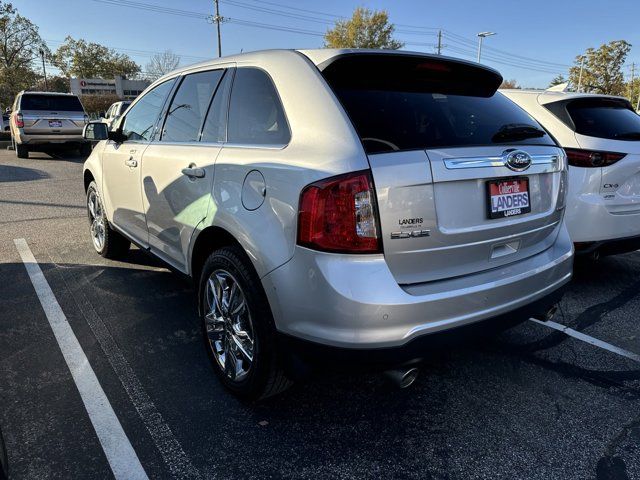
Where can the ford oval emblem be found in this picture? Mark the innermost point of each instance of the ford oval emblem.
(517, 160)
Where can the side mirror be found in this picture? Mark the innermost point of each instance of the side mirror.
(95, 131)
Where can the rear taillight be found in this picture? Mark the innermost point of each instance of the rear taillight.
(19, 120)
(339, 214)
(592, 158)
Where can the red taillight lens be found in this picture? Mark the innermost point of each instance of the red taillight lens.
(339, 215)
(592, 158)
(19, 120)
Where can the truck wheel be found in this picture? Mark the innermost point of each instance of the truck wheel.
(106, 241)
(238, 327)
(22, 151)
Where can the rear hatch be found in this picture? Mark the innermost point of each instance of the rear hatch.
(610, 128)
(47, 114)
(465, 180)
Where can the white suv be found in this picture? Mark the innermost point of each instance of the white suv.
(334, 200)
(601, 136)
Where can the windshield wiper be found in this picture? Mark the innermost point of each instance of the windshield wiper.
(627, 136)
(517, 131)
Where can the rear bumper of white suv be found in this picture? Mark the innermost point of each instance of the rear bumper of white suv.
(354, 302)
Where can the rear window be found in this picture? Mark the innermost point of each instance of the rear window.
(54, 103)
(604, 118)
(401, 102)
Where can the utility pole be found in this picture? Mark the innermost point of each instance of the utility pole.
(218, 20)
(481, 37)
(633, 74)
(580, 75)
(439, 41)
(44, 70)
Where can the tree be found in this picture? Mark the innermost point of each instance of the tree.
(161, 64)
(79, 58)
(601, 69)
(510, 84)
(20, 44)
(557, 80)
(365, 29)
(55, 83)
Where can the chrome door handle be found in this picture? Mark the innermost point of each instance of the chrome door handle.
(131, 162)
(193, 172)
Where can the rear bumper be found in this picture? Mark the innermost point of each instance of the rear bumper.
(30, 139)
(354, 302)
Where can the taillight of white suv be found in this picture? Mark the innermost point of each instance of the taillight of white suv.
(339, 215)
(19, 120)
(592, 158)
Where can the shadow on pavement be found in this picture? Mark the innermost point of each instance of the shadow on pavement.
(9, 173)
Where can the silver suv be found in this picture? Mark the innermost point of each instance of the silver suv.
(42, 119)
(334, 201)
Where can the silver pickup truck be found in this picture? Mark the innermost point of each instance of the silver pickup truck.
(40, 119)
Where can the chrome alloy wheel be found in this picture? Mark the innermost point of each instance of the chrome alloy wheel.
(228, 324)
(96, 217)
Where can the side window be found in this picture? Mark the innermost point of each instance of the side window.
(139, 122)
(256, 115)
(109, 112)
(215, 126)
(189, 106)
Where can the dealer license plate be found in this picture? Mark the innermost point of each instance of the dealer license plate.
(508, 197)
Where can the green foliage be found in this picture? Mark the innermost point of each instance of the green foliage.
(602, 69)
(365, 29)
(79, 58)
(20, 43)
(55, 83)
(557, 80)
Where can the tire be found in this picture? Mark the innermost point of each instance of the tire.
(106, 241)
(22, 151)
(258, 371)
(85, 149)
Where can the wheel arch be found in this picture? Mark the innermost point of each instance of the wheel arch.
(208, 240)
(88, 178)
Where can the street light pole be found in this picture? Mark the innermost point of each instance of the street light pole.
(481, 37)
(44, 70)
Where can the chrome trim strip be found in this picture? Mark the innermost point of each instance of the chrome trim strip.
(484, 162)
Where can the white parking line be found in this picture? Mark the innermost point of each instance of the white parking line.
(590, 340)
(121, 456)
(165, 441)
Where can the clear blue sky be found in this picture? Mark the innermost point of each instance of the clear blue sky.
(548, 33)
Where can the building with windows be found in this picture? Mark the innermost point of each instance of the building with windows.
(122, 87)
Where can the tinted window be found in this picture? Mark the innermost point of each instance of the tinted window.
(123, 107)
(139, 122)
(215, 126)
(54, 103)
(604, 118)
(402, 102)
(189, 106)
(256, 115)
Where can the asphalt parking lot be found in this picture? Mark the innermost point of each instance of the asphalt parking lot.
(530, 403)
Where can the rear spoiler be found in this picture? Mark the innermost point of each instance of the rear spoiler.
(410, 72)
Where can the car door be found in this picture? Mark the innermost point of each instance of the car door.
(178, 168)
(122, 181)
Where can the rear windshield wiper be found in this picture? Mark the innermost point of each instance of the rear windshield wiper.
(627, 136)
(517, 131)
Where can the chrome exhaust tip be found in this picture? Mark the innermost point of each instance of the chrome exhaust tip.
(402, 377)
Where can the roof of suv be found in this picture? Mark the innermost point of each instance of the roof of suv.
(318, 56)
(47, 93)
(546, 96)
